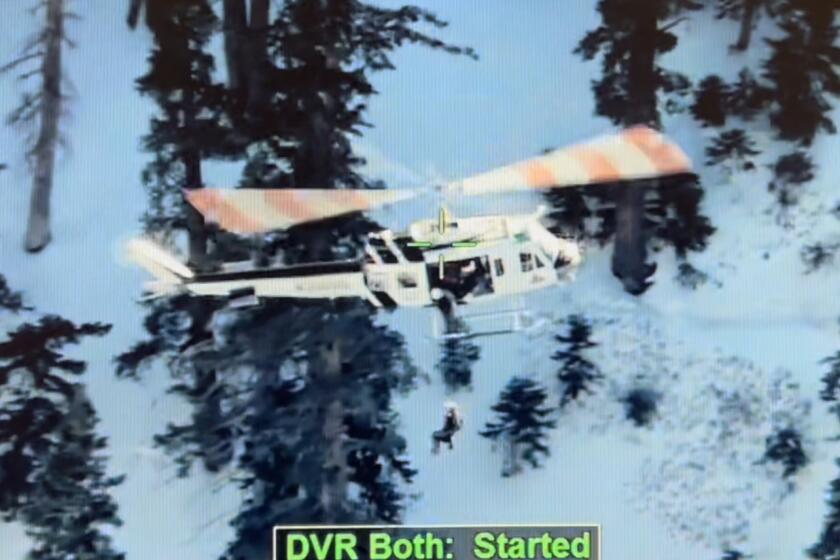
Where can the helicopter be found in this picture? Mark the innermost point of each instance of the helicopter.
(440, 262)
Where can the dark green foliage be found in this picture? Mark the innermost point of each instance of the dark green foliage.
(631, 37)
(10, 300)
(521, 423)
(70, 498)
(828, 545)
(640, 405)
(690, 277)
(676, 217)
(576, 373)
(790, 172)
(831, 382)
(785, 447)
(294, 396)
(52, 471)
(733, 146)
(747, 96)
(191, 109)
(33, 377)
(802, 70)
(817, 255)
(35, 349)
(312, 416)
(457, 357)
(711, 100)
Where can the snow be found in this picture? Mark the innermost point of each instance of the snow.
(437, 118)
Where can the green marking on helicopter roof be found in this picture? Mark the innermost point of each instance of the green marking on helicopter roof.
(521, 237)
(464, 244)
(421, 244)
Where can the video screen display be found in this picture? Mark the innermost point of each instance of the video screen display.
(419, 279)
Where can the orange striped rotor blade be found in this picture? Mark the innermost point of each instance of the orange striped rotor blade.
(636, 153)
(246, 211)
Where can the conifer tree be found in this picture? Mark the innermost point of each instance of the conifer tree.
(458, 354)
(640, 405)
(828, 545)
(711, 100)
(790, 172)
(632, 35)
(802, 70)
(521, 424)
(785, 447)
(188, 126)
(732, 147)
(71, 501)
(747, 13)
(576, 373)
(308, 415)
(52, 471)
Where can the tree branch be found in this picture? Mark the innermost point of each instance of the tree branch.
(20, 60)
(673, 24)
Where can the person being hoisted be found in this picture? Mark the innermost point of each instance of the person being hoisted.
(452, 422)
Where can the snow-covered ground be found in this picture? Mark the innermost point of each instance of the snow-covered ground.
(441, 117)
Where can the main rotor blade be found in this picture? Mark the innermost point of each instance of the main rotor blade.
(637, 153)
(247, 211)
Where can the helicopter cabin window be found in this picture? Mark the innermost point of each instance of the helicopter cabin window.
(538, 261)
(407, 280)
(526, 260)
(499, 267)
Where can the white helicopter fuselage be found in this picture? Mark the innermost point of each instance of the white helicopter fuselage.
(471, 260)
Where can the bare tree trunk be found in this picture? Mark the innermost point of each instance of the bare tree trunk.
(335, 474)
(258, 55)
(747, 22)
(235, 23)
(38, 233)
(630, 250)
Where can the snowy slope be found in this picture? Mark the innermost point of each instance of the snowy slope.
(442, 117)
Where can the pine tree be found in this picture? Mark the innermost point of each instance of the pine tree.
(816, 255)
(52, 471)
(308, 415)
(785, 447)
(790, 172)
(521, 424)
(831, 381)
(70, 501)
(802, 70)
(576, 373)
(10, 300)
(457, 357)
(640, 405)
(747, 12)
(33, 374)
(631, 36)
(42, 110)
(711, 100)
(828, 545)
(732, 146)
(188, 127)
